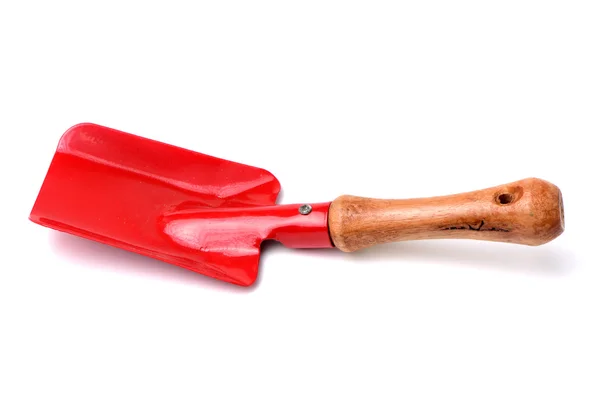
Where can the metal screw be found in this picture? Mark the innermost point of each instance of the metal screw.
(305, 209)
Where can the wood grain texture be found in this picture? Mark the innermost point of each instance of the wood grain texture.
(529, 212)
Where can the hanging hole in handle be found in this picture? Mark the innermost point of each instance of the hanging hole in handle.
(505, 198)
(508, 196)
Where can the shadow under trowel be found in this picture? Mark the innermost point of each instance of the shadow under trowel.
(544, 260)
(91, 254)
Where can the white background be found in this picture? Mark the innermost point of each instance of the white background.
(380, 99)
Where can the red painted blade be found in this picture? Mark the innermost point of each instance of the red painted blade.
(117, 188)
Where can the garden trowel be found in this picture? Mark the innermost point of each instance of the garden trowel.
(210, 215)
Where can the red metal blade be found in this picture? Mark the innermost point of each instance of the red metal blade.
(119, 189)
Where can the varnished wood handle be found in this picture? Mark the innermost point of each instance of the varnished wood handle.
(529, 211)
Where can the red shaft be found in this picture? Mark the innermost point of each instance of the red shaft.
(284, 223)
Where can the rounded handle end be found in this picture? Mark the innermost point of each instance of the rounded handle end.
(536, 208)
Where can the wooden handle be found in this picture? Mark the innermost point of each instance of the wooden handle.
(529, 211)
